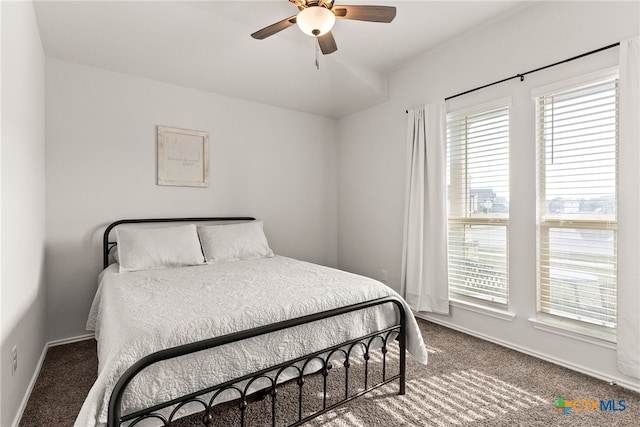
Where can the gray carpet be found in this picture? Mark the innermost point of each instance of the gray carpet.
(468, 382)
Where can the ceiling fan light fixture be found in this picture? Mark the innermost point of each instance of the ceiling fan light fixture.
(316, 21)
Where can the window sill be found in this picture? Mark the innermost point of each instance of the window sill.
(484, 310)
(576, 332)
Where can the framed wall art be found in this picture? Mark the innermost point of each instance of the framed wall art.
(183, 157)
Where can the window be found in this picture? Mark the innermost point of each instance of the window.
(478, 211)
(576, 130)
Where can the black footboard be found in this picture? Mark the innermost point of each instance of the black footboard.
(271, 377)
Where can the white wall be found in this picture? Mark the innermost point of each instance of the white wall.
(372, 154)
(22, 199)
(267, 162)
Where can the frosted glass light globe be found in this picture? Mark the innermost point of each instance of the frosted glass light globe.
(316, 21)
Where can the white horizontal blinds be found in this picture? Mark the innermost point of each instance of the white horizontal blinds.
(478, 183)
(577, 172)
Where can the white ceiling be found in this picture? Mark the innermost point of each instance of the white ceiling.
(207, 45)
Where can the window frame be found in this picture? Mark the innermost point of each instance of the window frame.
(545, 223)
(466, 220)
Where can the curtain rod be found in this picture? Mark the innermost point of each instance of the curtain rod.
(521, 75)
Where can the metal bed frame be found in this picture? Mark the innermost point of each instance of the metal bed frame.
(270, 376)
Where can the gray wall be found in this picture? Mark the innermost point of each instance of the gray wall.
(373, 148)
(22, 200)
(267, 162)
(329, 192)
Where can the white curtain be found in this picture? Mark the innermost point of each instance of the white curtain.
(629, 210)
(424, 257)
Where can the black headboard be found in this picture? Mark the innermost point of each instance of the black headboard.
(107, 244)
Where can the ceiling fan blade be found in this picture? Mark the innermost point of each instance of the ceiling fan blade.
(327, 43)
(366, 13)
(274, 28)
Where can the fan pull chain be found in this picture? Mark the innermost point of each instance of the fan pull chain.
(317, 56)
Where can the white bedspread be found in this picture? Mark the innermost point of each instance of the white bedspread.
(135, 314)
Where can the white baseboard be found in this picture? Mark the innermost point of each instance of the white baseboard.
(564, 363)
(70, 340)
(36, 374)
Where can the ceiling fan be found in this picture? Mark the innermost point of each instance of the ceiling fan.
(316, 18)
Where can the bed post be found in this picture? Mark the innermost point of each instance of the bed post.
(403, 346)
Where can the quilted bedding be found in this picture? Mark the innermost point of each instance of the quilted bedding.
(137, 313)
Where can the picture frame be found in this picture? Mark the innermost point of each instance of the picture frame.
(183, 157)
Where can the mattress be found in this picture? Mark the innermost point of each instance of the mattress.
(137, 313)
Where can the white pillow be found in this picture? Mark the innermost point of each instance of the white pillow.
(231, 242)
(156, 248)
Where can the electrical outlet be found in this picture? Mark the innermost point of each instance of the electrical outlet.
(383, 275)
(14, 354)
